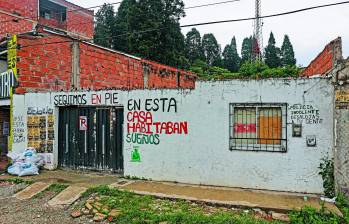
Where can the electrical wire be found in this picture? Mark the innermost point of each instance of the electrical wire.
(115, 3)
(210, 4)
(59, 13)
(206, 23)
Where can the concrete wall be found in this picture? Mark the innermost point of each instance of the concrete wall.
(341, 157)
(200, 154)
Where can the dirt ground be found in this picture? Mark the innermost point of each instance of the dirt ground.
(35, 211)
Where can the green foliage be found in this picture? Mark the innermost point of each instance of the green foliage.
(105, 25)
(231, 58)
(17, 180)
(327, 173)
(57, 188)
(246, 50)
(287, 53)
(147, 209)
(342, 202)
(122, 27)
(249, 70)
(193, 46)
(272, 53)
(165, 44)
(211, 50)
(309, 215)
(253, 69)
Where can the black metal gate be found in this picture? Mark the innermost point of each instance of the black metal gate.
(91, 138)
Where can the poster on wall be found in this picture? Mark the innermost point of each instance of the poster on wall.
(11, 75)
(342, 99)
(12, 54)
(40, 124)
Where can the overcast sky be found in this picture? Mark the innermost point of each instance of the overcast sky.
(309, 31)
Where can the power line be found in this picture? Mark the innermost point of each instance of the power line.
(59, 13)
(207, 23)
(115, 3)
(268, 16)
(190, 7)
(210, 4)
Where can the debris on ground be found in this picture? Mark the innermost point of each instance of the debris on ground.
(26, 163)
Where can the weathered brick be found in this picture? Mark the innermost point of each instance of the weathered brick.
(79, 22)
(326, 60)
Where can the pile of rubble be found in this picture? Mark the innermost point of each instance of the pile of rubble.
(95, 210)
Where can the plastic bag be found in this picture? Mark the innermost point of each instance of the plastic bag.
(26, 163)
(15, 169)
(15, 157)
(28, 169)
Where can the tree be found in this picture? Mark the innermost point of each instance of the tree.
(287, 53)
(246, 50)
(165, 43)
(105, 24)
(231, 58)
(211, 49)
(193, 47)
(272, 53)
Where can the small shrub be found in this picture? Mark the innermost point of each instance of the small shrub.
(17, 180)
(342, 203)
(309, 215)
(57, 188)
(327, 173)
(253, 69)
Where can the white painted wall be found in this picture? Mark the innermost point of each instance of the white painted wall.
(203, 156)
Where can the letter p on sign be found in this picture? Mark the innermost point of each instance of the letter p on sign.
(83, 123)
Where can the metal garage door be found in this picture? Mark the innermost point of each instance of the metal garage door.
(91, 138)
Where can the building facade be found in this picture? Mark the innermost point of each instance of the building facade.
(21, 16)
(259, 134)
(46, 46)
(331, 64)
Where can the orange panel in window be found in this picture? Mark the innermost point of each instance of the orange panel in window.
(270, 128)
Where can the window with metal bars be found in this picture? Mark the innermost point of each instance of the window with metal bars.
(258, 127)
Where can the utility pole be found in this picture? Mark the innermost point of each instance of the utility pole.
(257, 41)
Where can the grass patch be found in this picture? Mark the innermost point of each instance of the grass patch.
(17, 180)
(309, 215)
(54, 188)
(147, 209)
(343, 205)
(57, 188)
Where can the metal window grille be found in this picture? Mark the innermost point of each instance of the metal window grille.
(258, 127)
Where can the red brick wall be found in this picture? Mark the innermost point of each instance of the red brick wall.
(79, 21)
(24, 8)
(100, 69)
(326, 60)
(162, 76)
(53, 23)
(14, 25)
(43, 68)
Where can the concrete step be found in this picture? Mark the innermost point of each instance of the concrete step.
(32, 190)
(67, 196)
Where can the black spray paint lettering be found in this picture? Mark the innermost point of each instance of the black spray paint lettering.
(307, 114)
(154, 105)
(65, 100)
(18, 129)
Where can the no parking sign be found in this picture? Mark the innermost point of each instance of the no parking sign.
(83, 123)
